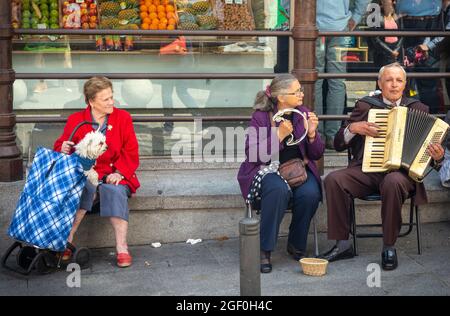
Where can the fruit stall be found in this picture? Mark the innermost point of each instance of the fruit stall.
(145, 52)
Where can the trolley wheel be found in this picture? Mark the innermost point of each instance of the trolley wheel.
(25, 256)
(83, 258)
(47, 262)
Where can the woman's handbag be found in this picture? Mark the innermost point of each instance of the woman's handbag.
(294, 172)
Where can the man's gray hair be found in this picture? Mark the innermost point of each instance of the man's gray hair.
(393, 65)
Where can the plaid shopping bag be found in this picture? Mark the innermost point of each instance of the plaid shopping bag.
(51, 196)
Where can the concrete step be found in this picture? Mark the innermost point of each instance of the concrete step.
(174, 205)
(178, 201)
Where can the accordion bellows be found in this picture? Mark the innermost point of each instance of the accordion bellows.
(402, 142)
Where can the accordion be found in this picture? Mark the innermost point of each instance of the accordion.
(402, 142)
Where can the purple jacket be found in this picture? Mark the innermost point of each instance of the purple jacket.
(311, 151)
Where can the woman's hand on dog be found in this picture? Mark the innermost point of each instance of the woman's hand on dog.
(114, 178)
(66, 147)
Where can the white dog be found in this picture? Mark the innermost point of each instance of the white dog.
(92, 146)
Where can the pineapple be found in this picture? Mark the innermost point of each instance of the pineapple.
(109, 23)
(207, 22)
(200, 7)
(188, 26)
(128, 14)
(109, 8)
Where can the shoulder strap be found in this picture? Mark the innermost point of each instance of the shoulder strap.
(374, 101)
(380, 104)
(409, 101)
(272, 123)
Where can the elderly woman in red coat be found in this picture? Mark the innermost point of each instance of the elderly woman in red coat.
(116, 167)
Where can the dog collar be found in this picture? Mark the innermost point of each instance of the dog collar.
(85, 162)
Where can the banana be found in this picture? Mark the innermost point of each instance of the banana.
(36, 9)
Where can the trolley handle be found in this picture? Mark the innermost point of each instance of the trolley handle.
(77, 127)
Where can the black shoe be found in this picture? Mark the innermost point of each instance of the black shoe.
(296, 254)
(389, 259)
(333, 254)
(266, 266)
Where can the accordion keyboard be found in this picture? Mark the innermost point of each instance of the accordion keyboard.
(374, 148)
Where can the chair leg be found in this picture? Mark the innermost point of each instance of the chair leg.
(419, 231)
(316, 242)
(353, 219)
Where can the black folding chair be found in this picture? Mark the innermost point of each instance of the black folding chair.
(377, 197)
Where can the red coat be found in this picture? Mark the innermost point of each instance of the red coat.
(123, 148)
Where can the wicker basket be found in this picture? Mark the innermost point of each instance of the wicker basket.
(313, 266)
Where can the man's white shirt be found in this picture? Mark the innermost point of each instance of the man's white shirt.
(349, 135)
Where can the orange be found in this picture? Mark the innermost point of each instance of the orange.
(161, 8)
(152, 8)
(144, 26)
(163, 20)
(172, 21)
(143, 15)
(143, 8)
(154, 27)
(170, 15)
(156, 2)
(165, 2)
(148, 3)
(153, 15)
(161, 15)
(155, 21)
(148, 21)
(171, 27)
(170, 8)
(162, 27)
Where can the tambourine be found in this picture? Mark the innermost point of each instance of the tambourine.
(278, 117)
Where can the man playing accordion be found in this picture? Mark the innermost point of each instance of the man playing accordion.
(394, 187)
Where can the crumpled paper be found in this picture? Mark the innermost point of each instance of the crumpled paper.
(193, 241)
(156, 244)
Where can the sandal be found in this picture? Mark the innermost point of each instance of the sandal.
(124, 260)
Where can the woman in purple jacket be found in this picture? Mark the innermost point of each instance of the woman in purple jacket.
(265, 146)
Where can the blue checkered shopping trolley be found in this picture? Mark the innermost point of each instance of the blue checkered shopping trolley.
(45, 211)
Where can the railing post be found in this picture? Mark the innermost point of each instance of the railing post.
(250, 276)
(10, 156)
(304, 34)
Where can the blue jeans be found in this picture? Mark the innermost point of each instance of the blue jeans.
(275, 198)
(335, 96)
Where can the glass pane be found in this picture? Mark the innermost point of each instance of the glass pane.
(155, 55)
(140, 94)
(182, 141)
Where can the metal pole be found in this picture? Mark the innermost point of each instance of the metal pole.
(250, 276)
(10, 156)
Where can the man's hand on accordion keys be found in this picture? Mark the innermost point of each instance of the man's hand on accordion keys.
(436, 151)
(364, 128)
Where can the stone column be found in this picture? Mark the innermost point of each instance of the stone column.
(11, 165)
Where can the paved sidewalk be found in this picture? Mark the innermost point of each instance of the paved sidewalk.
(212, 268)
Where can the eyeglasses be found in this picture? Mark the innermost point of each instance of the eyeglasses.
(298, 92)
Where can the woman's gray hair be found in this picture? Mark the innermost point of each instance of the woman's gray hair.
(393, 65)
(95, 85)
(265, 100)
